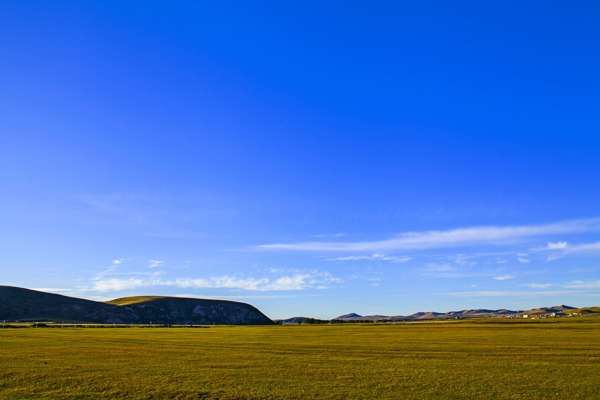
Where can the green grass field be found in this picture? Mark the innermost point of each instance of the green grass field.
(443, 360)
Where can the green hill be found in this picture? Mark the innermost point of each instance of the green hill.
(19, 304)
(125, 301)
(587, 310)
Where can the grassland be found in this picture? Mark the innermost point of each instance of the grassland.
(442, 360)
(125, 301)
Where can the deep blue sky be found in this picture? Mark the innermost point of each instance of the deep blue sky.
(310, 158)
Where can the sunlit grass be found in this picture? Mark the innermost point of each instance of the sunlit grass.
(124, 301)
(501, 360)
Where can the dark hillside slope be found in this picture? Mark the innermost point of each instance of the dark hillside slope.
(19, 304)
(31, 305)
(177, 310)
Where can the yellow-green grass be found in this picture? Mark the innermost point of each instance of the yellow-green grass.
(443, 360)
(124, 301)
(590, 310)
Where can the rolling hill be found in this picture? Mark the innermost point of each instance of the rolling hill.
(473, 313)
(19, 304)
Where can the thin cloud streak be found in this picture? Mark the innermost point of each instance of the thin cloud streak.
(569, 248)
(539, 285)
(569, 288)
(586, 247)
(583, 285)
(558, 250)
(299, 281)
(510, 293)
(482, 235)
(373, 257)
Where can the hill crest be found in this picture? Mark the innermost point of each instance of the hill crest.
(31, 305)
(471, 313)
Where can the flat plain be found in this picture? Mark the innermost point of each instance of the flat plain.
(482, 359)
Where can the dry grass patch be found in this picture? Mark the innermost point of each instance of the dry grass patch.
(418, 361)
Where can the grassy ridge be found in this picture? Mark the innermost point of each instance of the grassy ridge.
(555, 360)
(124, 301)
(589, 310)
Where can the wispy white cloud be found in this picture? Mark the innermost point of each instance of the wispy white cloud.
(557, 245)
(583, 285)
(523, 260)
(573, 288)
(557, 250)
(121, 270)
(581, 270)
(109, 270)
(463, 260)
(503, 277)
(324, 235)
(473, 236)
(222, 282)
(585, 247)
(539, 285)
(375, 281)
(554, 256)
(439, 267)
(373, 257)
(512, 293)
(297, 281)
(565, 247)
(441, 270)
(117, 284)
(154, 263)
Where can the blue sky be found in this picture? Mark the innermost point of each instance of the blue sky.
(309, 158)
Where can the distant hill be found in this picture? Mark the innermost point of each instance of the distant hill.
(547, 310)
(587, 310)
(350, 316)
(19, 304)
(293, 320)
(474, 313)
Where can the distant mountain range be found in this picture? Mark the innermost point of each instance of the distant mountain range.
(19, 304)
(474, 313)
(555, 311)
(26, 305)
